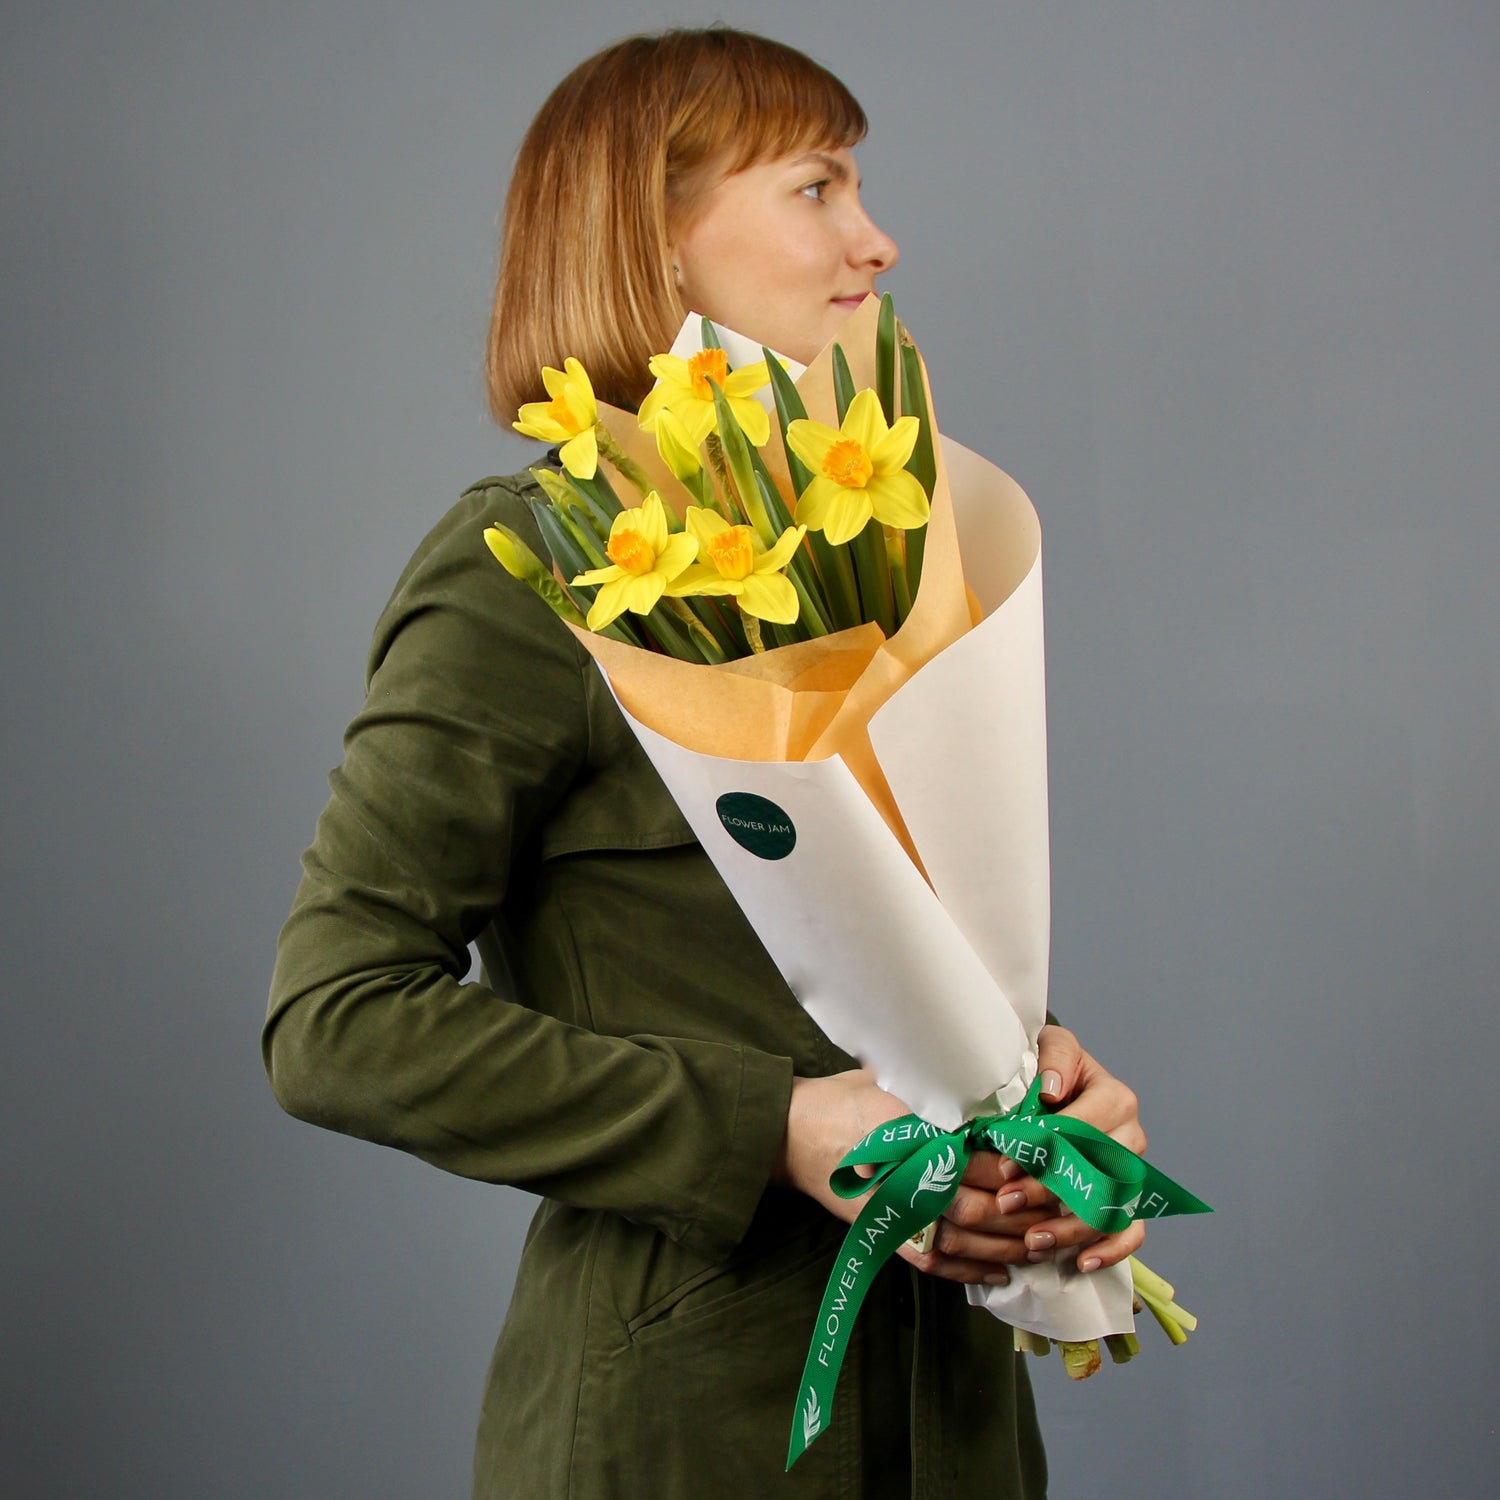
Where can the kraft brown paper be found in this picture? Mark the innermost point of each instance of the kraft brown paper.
(816, 698)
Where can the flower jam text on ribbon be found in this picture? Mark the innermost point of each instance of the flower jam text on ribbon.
(918, 1169)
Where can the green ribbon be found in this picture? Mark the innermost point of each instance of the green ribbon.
(917, 1172)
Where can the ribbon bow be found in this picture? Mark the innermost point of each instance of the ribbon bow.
(918, 1170)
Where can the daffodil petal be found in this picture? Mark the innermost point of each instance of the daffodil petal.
(703, 524)
(641, 594)
(611, 603)
(753, 417)
(580, 456)
(678, 453)
(892, 451)
(697, 417)
(655, 401)
(701, 579)
(839, 513)
(554, 381)
(670, 368)
(864, 421)
(774, 559)
(680, 552)
(771, 597)
(898, 500)
(747, 379)
(600, 575)
(810, 441)
(534, 420)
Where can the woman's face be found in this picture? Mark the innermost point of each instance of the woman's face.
(783, 252)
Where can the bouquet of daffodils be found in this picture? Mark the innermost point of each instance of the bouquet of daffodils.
(838, 702)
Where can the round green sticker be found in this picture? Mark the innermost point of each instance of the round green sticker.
(757, 824)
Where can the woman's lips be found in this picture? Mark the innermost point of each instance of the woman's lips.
(850, 303)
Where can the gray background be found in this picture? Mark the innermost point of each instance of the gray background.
(1216, 281)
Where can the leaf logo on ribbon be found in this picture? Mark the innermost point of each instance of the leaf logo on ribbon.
(937, 1175)
(812, 1418)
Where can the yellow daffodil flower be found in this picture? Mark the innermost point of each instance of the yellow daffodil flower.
(568, 418)
(735, 562)
(858, 471)
(645, 558)
(685, 387)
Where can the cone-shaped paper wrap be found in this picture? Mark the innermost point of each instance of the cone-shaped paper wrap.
(879, 810)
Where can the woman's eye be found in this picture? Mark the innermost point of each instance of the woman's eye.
(815, 189)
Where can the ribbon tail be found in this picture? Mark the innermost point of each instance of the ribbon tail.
(891, 1217)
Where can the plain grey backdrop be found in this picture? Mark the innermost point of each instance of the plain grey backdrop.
(1216, 280)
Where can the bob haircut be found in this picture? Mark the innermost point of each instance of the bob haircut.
(617, 160)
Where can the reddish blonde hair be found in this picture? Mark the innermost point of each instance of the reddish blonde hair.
(616, 161)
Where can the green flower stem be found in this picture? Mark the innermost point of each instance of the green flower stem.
(895, 556)
(701, 487)
(576, 526)
(702, 636)
(712, 617)
(671, 638)
(630, 470)
(725, 504)
(836, 569)
(600, 493)
(874, 575)
(568, 494)
(752, 632)
(737, 460)
(810, 617)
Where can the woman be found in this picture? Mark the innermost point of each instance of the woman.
(632, 1054)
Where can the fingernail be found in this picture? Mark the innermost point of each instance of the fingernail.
(1009, 1171)
(1040, 1240)
(1092, 1263)
(997, 1278)
(1036, 1257)
(1012, 1202)
(1052, 1083)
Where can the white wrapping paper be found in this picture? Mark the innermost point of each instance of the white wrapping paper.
(938, 985)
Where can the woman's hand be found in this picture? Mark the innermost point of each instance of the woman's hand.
(1094, 1095)
(999, 1216)
(829, 1115)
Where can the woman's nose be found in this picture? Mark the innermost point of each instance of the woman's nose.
(877, 248)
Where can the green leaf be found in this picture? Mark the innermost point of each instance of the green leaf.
(789, 409)
(843, 382)
(885, 357)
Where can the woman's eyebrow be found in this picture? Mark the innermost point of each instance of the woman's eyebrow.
(835, 168)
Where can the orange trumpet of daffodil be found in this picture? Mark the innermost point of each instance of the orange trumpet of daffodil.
(569, 418)
(858, 471)
(685, 388)
(735, 562)
(644, 559)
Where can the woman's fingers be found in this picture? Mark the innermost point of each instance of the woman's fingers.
(1112, 1249)
(1058, 1059)
(957, 1268)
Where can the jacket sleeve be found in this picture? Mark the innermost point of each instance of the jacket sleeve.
(474, 725)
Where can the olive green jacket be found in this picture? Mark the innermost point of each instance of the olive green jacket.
(629, 1057)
